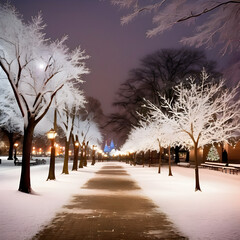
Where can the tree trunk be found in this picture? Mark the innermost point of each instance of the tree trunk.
(160, 160)
(197, 187)
(25, 184)
(143, 158)
(11, 143)
(81, 157)
(150, 159)
(85, 155)
(135, 159)
(75, 159)
(169, 162)
(65, 164)
(93, 157)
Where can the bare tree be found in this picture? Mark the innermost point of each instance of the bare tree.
(158, 73)
(69, 101)
(93, 110)
(216, 21)
(220, 26)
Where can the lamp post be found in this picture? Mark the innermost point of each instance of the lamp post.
(15, 152)
(51, 135)
(93, 154)
(75, 160)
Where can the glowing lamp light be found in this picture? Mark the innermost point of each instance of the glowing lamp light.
(33, 150)
(51, 134)
(15, 153)
(76, 144)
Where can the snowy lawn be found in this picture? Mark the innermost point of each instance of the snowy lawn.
(213, 213)
(22, 215)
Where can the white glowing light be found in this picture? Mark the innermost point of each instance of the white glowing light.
(41, 66)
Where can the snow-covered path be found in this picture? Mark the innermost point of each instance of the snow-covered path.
(213, 213)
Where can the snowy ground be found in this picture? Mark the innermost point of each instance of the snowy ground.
(213, 213)
(22, 215)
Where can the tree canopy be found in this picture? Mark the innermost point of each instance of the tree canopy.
(158, 73)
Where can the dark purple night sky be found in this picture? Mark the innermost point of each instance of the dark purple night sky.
(95, 26)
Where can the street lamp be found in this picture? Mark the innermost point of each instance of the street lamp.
(15, 152)
(51, 135)
(93, 154)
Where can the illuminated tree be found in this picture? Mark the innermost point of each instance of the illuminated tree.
(10, 117)
(88, 133)
(213, 154)
(36, 70)
(152, 135)
(158, 73)
(202, 114)
(220, 26)
(69, 100)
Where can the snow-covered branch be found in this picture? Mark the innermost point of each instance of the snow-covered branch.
(206, 113)
(221, 26)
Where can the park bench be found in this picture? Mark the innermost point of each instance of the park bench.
(212, 167)
(232, 170)
(40, 161)
(32, 162)
(235, 165)
(220, 166)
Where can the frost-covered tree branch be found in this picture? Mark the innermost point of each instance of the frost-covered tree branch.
(36, 69)
(202, 114)
(221, 26)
